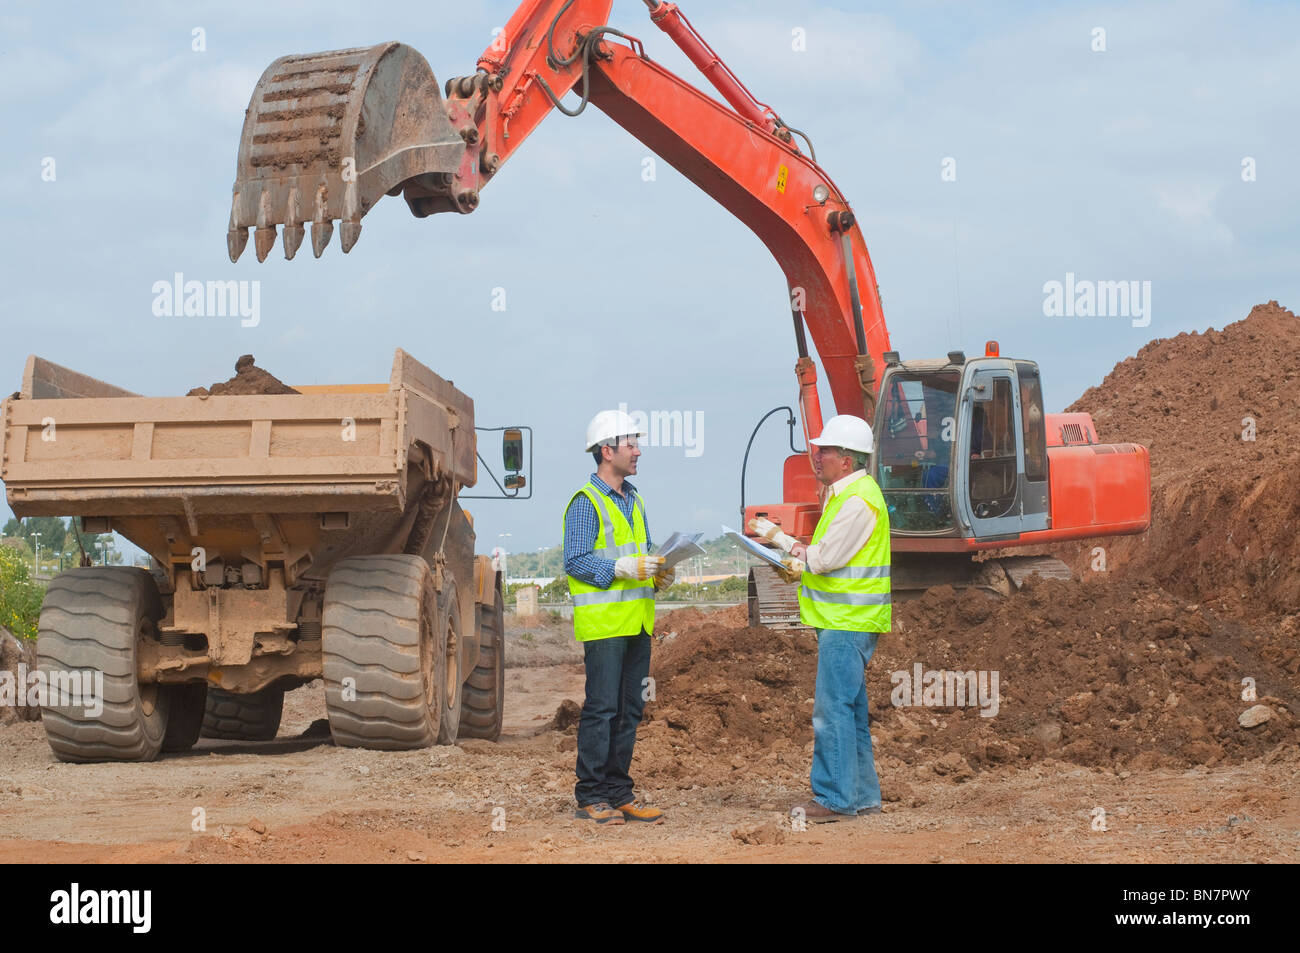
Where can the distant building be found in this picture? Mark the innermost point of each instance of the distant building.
(530, 580)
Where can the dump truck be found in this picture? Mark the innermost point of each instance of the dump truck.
(292, 536)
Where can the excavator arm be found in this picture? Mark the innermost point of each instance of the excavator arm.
(329, 134)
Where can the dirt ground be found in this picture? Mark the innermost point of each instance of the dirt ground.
(294, 800)
(1145, 710)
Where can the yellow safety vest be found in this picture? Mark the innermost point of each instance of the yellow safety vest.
(855, 597)
(628, 605)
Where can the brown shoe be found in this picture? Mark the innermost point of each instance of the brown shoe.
(636, 811)
(815, 813)
(601, 813)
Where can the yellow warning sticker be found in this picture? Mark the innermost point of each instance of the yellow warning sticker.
(782, 174)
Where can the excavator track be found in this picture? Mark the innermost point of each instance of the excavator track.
(774, 603)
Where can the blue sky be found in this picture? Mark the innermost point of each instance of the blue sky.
(1116, 165)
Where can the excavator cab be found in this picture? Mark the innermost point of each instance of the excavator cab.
(961, 447)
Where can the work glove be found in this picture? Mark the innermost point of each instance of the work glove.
(664, 578)
(637, 567)
(769, 531)
(793, 569)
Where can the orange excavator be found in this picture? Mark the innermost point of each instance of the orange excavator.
(966, 457)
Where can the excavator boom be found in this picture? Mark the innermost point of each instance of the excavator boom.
(328, 134)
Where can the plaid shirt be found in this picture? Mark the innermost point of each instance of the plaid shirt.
(582, 525)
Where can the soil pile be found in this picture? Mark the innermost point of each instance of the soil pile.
(248, 379)
(1101, 672)
(17, 658)
(1218, 412)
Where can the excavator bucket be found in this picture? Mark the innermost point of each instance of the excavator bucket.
(326, 135)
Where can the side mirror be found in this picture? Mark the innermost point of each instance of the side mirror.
(509, 484)
(512, 452)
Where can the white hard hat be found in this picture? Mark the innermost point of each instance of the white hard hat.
(609, 424)
(847, 431)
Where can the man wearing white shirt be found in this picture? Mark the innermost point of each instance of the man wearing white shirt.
(845, 596)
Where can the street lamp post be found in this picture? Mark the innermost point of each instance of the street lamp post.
(36, 552)
(504, 573)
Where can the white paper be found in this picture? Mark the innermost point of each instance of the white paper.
(762, 552)
(680, 546)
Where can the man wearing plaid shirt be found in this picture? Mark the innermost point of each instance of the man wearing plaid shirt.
(612, 578)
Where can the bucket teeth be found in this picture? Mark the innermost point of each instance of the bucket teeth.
(310, 120)
(349, 232)
(293, 225)
(236, 239)
(292, 239)
(264, 240)
(320, 236)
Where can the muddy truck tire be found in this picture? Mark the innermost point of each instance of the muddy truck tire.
(185, 717)
(252, 717)
(384, 636)
(450, 698)
(483, 703)
(93, 619)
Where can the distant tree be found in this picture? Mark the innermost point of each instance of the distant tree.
(557, 590)
(54, 532)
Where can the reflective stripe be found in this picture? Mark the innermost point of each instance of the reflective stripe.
(857, 572)
(613, 595)
(608, 524)
(847, 598)
(613, 552)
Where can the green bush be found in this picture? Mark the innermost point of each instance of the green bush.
(557, 590)
(20, 598)
(731, 589)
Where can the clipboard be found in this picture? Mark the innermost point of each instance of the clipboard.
(679, 547)
(762, 552)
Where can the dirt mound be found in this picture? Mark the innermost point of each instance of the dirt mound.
(17, 657)
(1186, 398)
(248, 379)
(1098, 672)
(1218, 413)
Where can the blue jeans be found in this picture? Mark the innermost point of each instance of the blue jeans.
(616, 668)
(843, 769)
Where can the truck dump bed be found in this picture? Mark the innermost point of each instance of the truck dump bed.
(292, 477)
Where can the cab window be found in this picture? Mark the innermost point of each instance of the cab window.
(915, 435)
(993, 453)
